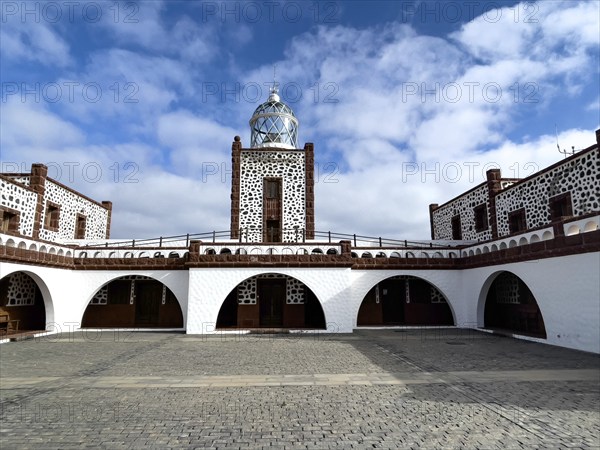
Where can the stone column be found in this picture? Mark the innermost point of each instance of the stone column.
(236, 149)
(494, 186)
(108, 206)
(309, 180)
(37, 182)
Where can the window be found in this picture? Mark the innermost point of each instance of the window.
(456, 228)
(52, 215)
(516, 221)
(80, 227)
(272, 189)
(481, 218)
(9, 221)
(560, 206)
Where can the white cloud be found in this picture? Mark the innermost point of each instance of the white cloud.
(139, 23)
(166, 204)
(399, 148)
(31, 39)
(29, 123)
(148, 200)
(196, 144)
(532, 31)
(145, 26)
(133, 87)
(392, 199)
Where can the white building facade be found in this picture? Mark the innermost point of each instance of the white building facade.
(518, 257)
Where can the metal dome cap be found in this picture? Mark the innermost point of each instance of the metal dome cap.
(274, 124)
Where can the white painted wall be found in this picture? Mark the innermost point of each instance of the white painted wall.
(567, 290)
(210, 287)
(67, 293)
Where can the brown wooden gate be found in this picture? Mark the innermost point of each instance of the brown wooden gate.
(271, 296)
(272, 209)
(148, 297)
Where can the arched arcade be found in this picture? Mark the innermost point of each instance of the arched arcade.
(510, 305)
(271, 301)
(22, 304)
(133, 301)
(404, 300)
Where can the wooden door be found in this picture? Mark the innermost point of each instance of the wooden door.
(148, 297)
(271, 295)
(393, 297)
(272, 209)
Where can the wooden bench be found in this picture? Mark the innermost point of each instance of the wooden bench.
(8, 325)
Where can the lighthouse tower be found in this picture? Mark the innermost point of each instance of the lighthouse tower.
(272, 192)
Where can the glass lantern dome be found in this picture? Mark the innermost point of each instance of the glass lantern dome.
(274, 124)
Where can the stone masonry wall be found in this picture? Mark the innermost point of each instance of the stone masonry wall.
(463, 206)
(70, 205)
(580, 176)
(20, 199)
(257, 165)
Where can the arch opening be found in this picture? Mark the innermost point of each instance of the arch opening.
(271, 301)
(510, 305)
(404, 300)
(133, 301)
(22, 306)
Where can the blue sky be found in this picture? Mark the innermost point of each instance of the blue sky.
(407, 102)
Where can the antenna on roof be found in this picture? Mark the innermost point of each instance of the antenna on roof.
(274, 91)
(275, 84)
(567, 153)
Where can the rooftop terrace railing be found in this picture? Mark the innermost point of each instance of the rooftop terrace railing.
(253, 236)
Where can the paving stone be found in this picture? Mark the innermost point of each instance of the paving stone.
(371, 389)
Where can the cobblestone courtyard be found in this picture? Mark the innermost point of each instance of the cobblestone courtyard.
(442, 388)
